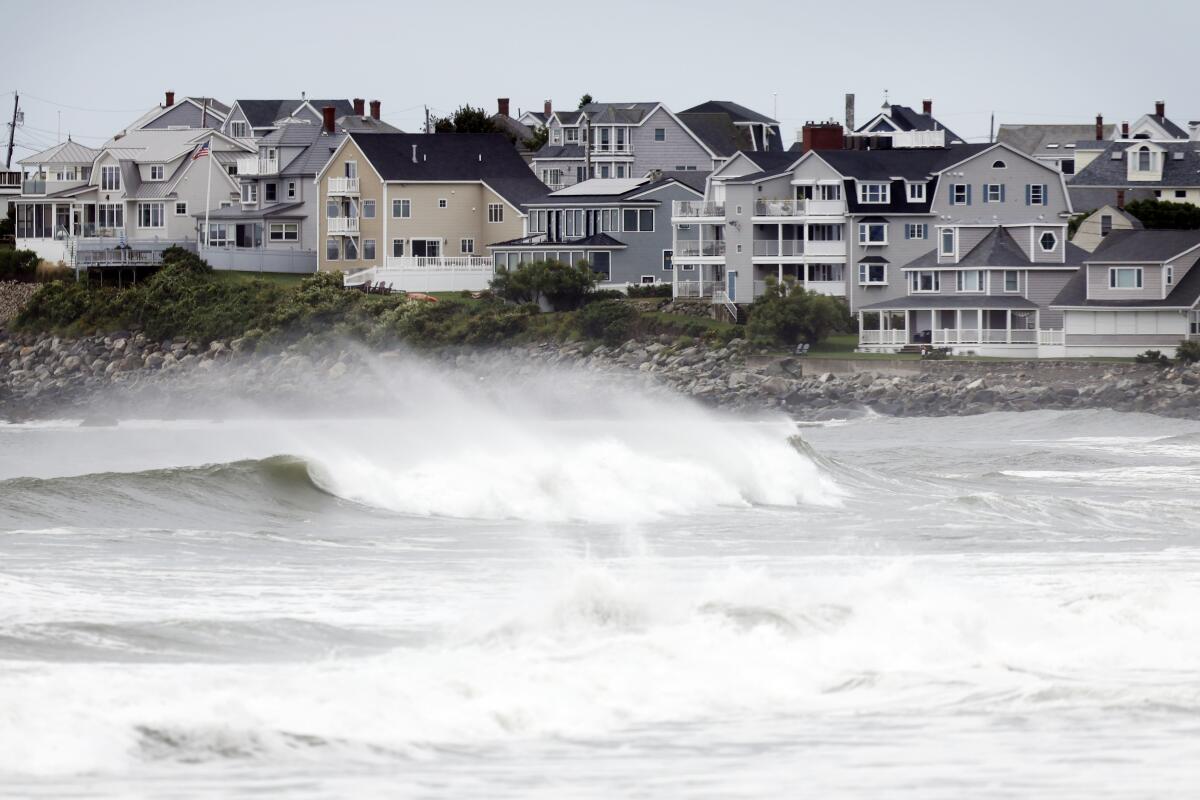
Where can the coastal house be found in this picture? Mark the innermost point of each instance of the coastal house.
(189, 112)
(1055, 144)
(621, 228)
(627, 140)
(254, 119)
(1158, 127)
(520, 132)
(1138, 169)
(1139, 290)
(906, 125)
(419, 210)
(274, 225)
(1096, 226)
(130, 198)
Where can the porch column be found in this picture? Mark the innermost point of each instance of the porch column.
(1008, 325)
(781, 273)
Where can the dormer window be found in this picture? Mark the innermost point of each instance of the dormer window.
(157, 172)
(239, 130)
(874, 193)
(571, 135)
(1125, 278)
(916, 193)
(1145, 160)
(948, 243)
(1048, 242)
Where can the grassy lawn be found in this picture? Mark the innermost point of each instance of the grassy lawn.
(281, 278)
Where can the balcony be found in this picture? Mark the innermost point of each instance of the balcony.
(828, 249)
(694, 209)
(252, 166)
(452, 263)
(37, 186)
(343, 186)
(782, 209)
(341, 226)
(696, 288)
(943, 336)
(884, 337)
(773, 248)
(699, 249)
(612, 148)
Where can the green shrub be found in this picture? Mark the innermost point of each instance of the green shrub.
(563, 286)
(1188, 351)
(18, 264)
(604, 294)
(611, 321)
(1154, 357)
(1164, 214)
(650, 290)
(185, 259)
(55, 306)
(787, 315)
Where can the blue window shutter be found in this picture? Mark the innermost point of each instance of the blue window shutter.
(951, 198)
(1002, 193)
(1045, 195)
(1028, 193)
(985, 192)
(924, 231)
(968, 194)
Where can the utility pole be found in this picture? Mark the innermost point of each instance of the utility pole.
(992, 130)
(12, 129)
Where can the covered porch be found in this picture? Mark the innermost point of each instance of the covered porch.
(1003, 325)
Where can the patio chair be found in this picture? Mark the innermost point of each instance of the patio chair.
(802, 349)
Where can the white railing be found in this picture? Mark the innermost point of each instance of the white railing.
(698, 249)
(775, 248)
(825, 208)
(612, 148)
(342, 225)
(470, 263)
(889, 337)
(695, 289)
(721, 297)
(985, 336)
(697, 208)
(812, 248)
(252, 165)
(343, 185)
(831, 288)
(1050, 337)
(779, 208)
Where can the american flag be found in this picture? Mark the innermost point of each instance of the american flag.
(201, 151)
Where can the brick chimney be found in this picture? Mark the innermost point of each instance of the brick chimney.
(850, 112)
(170, 99)
(327, 118)
(1125, 129)
(927, 107)
(375, 109)
(1160, 108)
(360, 107)
(1099, 127)
(822, 136)
(502, 106)
(549, 109)
(1121, 199)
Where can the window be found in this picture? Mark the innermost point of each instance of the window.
(495, 212)
(993, 193)
(1105, 224)
(948, 243)
(110, 215)
(571, 134)
(970, 280)
(249, 192)
(916, 230)
(270, 192)
(239, 130)
(181, 209)
(872, 274)
(649, 279)
(872, 233)
(283, 232)
(368, 209)
(601, 262)
(1170, 275)
(218, 235)
(1145, 160)
(925, 281)
(833, 191)
(1048, 242)
(350, 168)
(960, 194)
(1067, 165)
(368, 249)
(150, 215)
(351, 249)
(110, 178)
(1035, 194)
(332, 209)
(291, 190)
(999, 165)
(1181, 193)
(1125, 278)
(158, 172)
(874, 193)
(397, 248)
(1011, 280)
(466, 246)
(916, 193)
(443, 202)
(402, 209)
(331, 249)
(660, 134)
(638, 220)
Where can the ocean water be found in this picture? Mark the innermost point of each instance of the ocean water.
(525, 591)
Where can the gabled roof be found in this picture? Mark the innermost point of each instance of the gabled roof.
(619, 113)
(1167, 125)
(596, 240)
(486, 157)
(907, 119)
(998, 250)
(1145, 246)
(68, 152)
(611, 191)
(1104, 170)
(292, 134)
(931, 301)
(313, 158)
(265, 113)
(719, 133)
(366, 124)
(1034, 139)
(736, 112)
(907, 163)
(162, 144)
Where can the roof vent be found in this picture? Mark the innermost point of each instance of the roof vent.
(414, 154)
(1177, 155)
(1116, 156)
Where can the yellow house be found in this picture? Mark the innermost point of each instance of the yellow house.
(411, 206)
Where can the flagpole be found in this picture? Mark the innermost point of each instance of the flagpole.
(207, 197)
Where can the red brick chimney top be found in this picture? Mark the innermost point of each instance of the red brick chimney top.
(360, 107)
(927, 107)
(327, 118)
(1160, 108)
(502, 106)
(375, 109)
(170, 99)
(549, 108)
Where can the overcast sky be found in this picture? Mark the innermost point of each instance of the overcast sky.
(99, 65)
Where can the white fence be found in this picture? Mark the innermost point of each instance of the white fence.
(261, 259)
(421, 274)
(695, 289)
(343, 185)
(985, 336)
(892, 337)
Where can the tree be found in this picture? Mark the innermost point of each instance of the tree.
(585, 100)
(1163, 214)
(786, 314)
(562, 286)
(537, 140)
(466, 119)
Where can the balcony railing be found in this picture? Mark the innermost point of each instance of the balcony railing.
(343, 185)
(812, 248)
(777, 249)
(696, 288)
(1050, 337)
(455, 263)
(33, 187)
(612, 149)
(985, 336)
(799, 208)
(342, 225)
(251, 165)
(890, 337)
(698, 249)
(698, 208)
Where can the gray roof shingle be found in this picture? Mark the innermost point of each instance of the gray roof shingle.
(999, 250)
(1104, 170)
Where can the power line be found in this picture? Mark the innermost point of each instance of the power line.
(89, 110)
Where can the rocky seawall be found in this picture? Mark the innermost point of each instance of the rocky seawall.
(42, 376)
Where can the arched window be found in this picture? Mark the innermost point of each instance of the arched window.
(1144, 159)
(999, 165)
